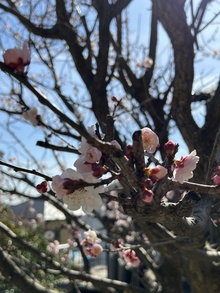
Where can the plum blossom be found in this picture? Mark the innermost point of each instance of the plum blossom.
(150, 140)
(94, 250)
(157, 172)
(130, 257)
(184, 167)
(18, 58)
(53, 247)
(216, 178)
(32, 116)
(66, 186)
(89, 154)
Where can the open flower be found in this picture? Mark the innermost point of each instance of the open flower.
(66, 186)
(185, 166)
(150, 140)
(18, 58)
(130, 257)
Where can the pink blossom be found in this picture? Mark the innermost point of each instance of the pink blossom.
(89, 155)
(17, 58)
(32, 116)
(83, 167)
(130, 257)
(170, 147)
(185, 166)
(150, 140)
(66, 188)
(157, 172)
(53, 247)
(84, 146)
(92, 155)
(216, 179)
(96, 249)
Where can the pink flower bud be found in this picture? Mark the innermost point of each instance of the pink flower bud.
(216, 179)
(150, 140)
(42, 187)
(147, 195)
(96, 249)
(170, 147)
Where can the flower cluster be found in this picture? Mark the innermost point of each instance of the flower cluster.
(128, 255)
(91, 247)
(182, 169)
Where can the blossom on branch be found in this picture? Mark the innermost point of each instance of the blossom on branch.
(91, 247)
(149, 139)
(42, 187)
(53, 247)
(69, 187)
(32, 116)
(216, 178)
(147, 195)
(91, 236)
(89, 154)
(130, 257)
(170, 148)
(184, 167)
(18, 58)
(156, 173)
